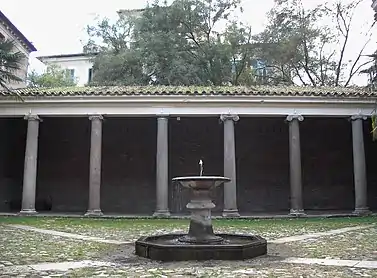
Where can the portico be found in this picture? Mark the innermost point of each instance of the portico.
(132, 144)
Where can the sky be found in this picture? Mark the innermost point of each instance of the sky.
(59, 27)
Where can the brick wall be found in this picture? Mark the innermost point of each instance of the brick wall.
(12, 150)
(326, 147)
(192, 139)
(128, 165)
(63, 165)
(262, 164)
(371, 161)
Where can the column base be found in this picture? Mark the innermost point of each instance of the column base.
(297, 213)
(94, 213)
(231, 213)
(27, 212)
(362, 211)
(161, 213)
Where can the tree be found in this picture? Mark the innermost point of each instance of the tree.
(300, 49)
(119, 68)
(179, 44)
(54, 76)
(10, 62)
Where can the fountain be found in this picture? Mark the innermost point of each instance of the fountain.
(200, 243)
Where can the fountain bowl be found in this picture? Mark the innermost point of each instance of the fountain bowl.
(201, 182)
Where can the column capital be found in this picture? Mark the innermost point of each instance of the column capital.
(358, 117)
(163, 116)
(32, 117)
(292, 117)
(96, 117)
(226, 117)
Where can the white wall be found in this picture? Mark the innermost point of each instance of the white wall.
(80, 64)
(22, 72)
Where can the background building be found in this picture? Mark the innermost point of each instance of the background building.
(10, 32)
(79, 65)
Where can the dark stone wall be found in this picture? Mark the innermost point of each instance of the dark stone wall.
(63, 164)
(3, 179)
(129, 165)
(262, 164)
(327, 163)
(12, 150)
(192, 139)
(371, 161)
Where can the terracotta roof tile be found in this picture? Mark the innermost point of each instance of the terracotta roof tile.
(108, 91)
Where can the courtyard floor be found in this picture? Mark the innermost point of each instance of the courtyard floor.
(82, 247)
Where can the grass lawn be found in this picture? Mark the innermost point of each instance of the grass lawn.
(354, 245)
(18, 247)
(131, 229)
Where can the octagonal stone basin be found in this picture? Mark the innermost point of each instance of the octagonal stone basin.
(200, 243)
(168, 247)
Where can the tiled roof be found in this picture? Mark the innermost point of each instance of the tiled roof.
(67, 55)
(283, 91)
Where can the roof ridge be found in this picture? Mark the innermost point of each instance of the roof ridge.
(260, 90)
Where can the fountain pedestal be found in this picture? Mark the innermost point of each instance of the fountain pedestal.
(200, 230)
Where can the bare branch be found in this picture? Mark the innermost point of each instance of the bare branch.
(306, 69)
(353, 71)
(299, 75)
(340, 14)
(357, 70)
(238, 74)
(282, 71)
(322, 79)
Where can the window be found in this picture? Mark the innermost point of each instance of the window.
(90, 75)
(2, 37)
(71, 73)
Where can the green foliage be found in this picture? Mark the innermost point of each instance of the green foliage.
(10, 62)
(186, 43)
(172, 45)
(54, 76)
(299, 48)
(118, 68)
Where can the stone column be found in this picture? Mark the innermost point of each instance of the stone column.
(30, 166)
(295, 165)
(94, 208)
(359, 168)
(230, 188)
(162, 168)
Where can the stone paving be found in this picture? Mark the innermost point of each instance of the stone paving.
(30, 252)
(333, 262)
(319, 234)
(69, 235)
